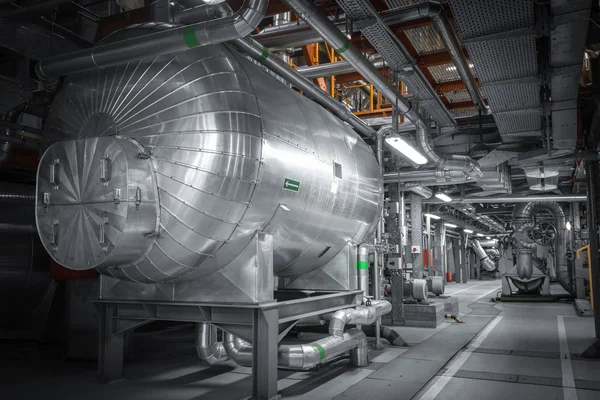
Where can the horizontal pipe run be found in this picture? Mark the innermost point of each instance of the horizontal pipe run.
(171, 41)
(511, 199)
(255, 50)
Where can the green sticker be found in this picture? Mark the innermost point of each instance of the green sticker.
(345, 47)
(189, 37)
(264, 55)
(362, 265)
(321, 350)
(290, 184)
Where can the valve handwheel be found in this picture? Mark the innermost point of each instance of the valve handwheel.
(543, 234)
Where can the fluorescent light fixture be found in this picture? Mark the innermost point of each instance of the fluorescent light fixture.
(568, 225)
(480, 235)
(467, 231)
(432, 216)
(449, 225)
(405, 149)
(488, 237)
(443, 197)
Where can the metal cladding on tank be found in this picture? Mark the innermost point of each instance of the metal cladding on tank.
(231, 150)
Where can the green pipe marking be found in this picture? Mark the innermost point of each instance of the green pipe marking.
(189, 37)
(264, 55)
(362, 265)
(321, 350)
(345, 47)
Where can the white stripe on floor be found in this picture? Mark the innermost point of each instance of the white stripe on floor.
(439, 384)
(470, 287)
(488, 293)
(568, 383)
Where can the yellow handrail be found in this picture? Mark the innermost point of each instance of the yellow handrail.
(587, 248)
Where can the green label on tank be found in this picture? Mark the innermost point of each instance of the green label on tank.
(290, 184)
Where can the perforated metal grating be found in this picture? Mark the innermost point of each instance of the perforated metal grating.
(513, 97)
(425, 40)
(457, 96)
(464, 112)
(503, 59)
(508, 124)
(402, 3)
(475, 18)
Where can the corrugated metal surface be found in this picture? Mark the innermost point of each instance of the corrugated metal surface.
(425, 40)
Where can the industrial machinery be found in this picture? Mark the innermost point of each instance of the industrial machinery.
(189, 181)
(539, 246)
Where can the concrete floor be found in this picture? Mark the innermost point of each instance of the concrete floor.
(507, 350)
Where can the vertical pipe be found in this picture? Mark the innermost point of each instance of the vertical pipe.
(379, 234)
(278, 20)
(403, 230)
(429, 245)
(416, 217)
(363, 268)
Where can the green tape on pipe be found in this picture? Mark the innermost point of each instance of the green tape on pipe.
(362, 265)
(345, 47)
(189, 37)
(321, 350)
(264, 55)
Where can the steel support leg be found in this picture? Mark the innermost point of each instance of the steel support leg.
(264, 354)
(110, 350)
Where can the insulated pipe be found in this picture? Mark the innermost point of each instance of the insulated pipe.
(207, 346)
(417, 188)
(201, 13)
(362, 267)
(435, 11)
(17, 228)
(305, 356)
(365, 315)
(484, 260)
(11, 193)
(255, 50)
(488, 243)
(171, 41)
(512, 199)
(334, 68)
(523, 215)
(427, 177)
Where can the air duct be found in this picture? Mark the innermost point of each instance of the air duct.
(484, 260)
(522, 219)
(171, 41)
(201, 13)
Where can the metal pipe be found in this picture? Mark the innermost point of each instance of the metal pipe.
(435, 11)
(201, 13)
(17, 228)
(364, 315)
(275, 64)
(484, 260)
(417, 188)
(363, 268)
(512, 199)
(305, 356)
(378, 239)
(334, 68)
(12, 193)
(427, 177)
(171, 41)
(207, 346)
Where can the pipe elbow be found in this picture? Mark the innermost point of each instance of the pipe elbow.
(247, 18)
(431, 9)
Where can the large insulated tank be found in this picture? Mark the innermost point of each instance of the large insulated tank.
(164, 169)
